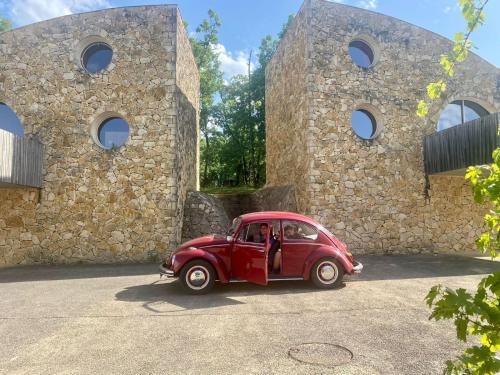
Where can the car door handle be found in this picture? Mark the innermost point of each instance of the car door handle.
(261, 250)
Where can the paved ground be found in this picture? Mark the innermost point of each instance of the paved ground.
(123, 320)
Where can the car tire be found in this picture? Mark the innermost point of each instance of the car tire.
(327, 273)
(197, 277)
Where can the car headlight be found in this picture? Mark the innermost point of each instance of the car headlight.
(172, 260)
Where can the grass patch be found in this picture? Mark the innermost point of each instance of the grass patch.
(228, 189)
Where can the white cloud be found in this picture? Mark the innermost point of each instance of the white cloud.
(232, 63)
(451, 8)
(24, 12)
(368, 4)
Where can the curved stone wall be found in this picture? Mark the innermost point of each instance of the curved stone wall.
(122, 204)
(203, 214)
(371, 193)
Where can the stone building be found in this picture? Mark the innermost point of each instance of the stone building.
(341, 96)
(112, 98)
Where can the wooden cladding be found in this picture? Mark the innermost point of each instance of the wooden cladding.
(20, 160)
(461, 146)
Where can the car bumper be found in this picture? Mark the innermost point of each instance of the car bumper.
(164, 271)
(357, 267)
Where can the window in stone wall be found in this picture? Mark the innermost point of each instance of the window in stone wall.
(458, 112)
(361, 53)
(364, 124)
(113, 132)
(96, 57)
(9, 121)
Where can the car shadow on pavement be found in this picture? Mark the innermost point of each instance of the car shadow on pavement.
(169, 296)
(376, 267)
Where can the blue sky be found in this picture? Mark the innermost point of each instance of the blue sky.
(245, 22)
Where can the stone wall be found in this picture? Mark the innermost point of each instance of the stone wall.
(454, 221)
(100, 205)
(287, 160)
(186, 154)
(188, 81)
(203, 214)
(18, 209)
(211, 213)
(274, 198)
(370, 193)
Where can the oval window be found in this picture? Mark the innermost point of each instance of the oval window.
(96, 57)
(113, 132)
(363, 123)
(458, 112)
(9, 120)
(361, 53)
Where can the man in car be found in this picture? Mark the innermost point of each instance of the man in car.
(292, 233)
(263, 233)
(274, 258)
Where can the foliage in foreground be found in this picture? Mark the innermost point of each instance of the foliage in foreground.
(5, 24)
(477, 314)
(473, 13)
(474, 314)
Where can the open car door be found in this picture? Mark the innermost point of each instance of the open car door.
(249, 256)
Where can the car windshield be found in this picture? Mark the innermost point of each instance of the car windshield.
(234, 226)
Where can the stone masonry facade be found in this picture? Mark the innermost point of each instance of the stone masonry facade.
(373, 194)
(99, 205)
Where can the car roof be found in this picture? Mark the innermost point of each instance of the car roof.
(276, 215)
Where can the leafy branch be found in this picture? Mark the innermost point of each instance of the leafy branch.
(475, 314)
(475, 16)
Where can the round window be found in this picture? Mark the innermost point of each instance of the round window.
(113, 132)
(96, 57)
(363, 123)
(9, 121)
(361, 53)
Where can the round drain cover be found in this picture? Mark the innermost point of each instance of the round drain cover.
(322, 354)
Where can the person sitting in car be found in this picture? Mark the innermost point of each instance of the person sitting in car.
(274, 257)
(292, 233)
(263, 233)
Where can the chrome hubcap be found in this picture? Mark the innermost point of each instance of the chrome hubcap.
(197, 277)
(327, 272)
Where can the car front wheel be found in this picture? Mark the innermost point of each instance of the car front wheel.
(197, 277)
(327, 273)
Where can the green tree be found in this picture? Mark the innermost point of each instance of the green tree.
(207, 60)
(5, 24)
(475, 314)
(238, 125)
(245, 110)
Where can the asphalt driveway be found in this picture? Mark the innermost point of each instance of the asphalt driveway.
(122, 319)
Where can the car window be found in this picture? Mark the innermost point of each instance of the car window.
(234, 225)
(298, 230)
(256, 232)
(243, 233)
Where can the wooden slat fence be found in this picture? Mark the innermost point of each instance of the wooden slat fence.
(20, 160)
(461, 146)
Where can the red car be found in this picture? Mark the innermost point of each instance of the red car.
(261, 247)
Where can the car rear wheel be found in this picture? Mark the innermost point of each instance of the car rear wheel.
(197, 277)
(327, 273)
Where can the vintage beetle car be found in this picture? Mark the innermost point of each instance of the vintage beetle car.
(312, 253)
